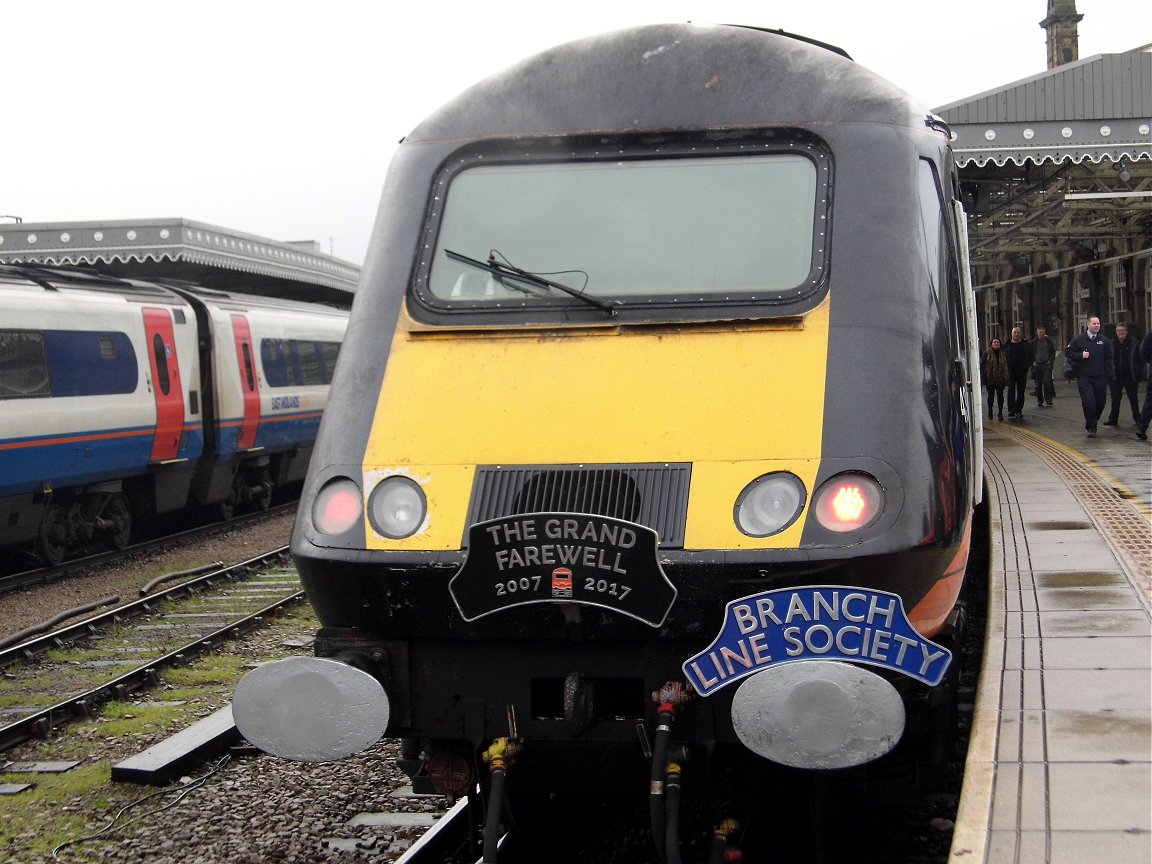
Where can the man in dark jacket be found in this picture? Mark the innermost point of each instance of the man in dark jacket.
(1019, 362)
(1092, 354)
(1043, 357)
(1127, 371)
(1145, 412)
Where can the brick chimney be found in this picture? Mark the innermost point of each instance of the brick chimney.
(1060, 23)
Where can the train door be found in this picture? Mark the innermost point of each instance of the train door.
(249, 383)
(166, 387)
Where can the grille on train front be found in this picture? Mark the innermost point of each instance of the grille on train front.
(655, 495)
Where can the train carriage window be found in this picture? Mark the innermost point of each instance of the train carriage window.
(329, 351)
(23, 365)
(164, 381)
(289, 362)
(249, 373)
(656, 230)
(89, 363)
(309, 362)
(274, 357)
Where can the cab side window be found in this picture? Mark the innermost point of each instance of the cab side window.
(940, 259)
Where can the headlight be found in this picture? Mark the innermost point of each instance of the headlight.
(769, 504)
(337, 506)
(397, 507)
(848, 502)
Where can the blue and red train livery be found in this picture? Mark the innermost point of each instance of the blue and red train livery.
(123, 399)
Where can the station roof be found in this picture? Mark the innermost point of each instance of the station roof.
(182, 249)
(1095, 109)
(1056, 169)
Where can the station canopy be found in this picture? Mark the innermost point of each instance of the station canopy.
(1058, 167)
(1093, 109)
(180, 249)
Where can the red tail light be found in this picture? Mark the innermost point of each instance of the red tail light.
(337, 507)
(848, 502)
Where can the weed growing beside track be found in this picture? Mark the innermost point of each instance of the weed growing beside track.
(65, 806)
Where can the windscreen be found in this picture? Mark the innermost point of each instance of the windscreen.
(690, 228)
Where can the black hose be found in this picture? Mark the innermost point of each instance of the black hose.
(672, 821)
(656, 805)
(18, 637)
(168, 577)
(492, 822)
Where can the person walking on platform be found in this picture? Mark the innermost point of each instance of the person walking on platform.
(994, 371)
(1043, 357)
(1146, 412)
(1019, 362)
(1091, 354)
(1127, 372)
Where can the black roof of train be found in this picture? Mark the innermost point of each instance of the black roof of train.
(670, 76)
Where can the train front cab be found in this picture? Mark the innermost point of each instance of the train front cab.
(664, 422)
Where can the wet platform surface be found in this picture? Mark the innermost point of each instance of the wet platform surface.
(1060, 758)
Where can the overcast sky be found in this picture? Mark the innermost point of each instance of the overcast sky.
(278, 117)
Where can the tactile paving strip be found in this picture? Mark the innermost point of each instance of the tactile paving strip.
(1125, 524)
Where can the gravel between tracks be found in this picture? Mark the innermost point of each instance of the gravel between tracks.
(256, 809)
(260, 809)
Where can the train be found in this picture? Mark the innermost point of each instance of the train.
(126, 400)
(655, 457)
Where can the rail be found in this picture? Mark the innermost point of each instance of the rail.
(42, 722)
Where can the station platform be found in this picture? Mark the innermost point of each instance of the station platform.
(1059, 765)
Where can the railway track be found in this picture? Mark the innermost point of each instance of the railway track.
(68, 672)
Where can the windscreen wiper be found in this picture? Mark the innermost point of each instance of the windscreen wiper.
(505, 270)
